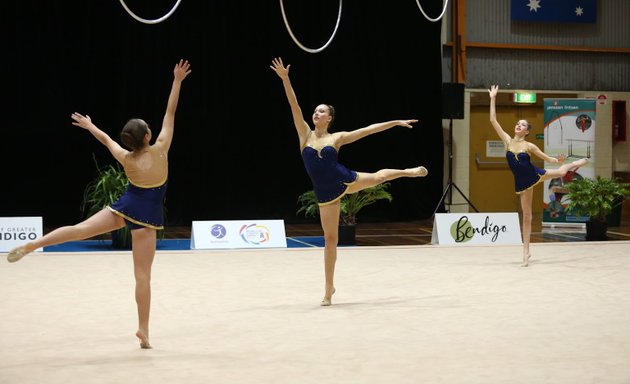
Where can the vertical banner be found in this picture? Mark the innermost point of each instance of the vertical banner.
(569, 130)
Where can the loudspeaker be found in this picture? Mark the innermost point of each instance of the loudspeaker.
(452, 100)
(619, 120)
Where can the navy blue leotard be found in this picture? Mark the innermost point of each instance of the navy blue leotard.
(526, 175)
(330, 179)
(142, 204)
(141, 207)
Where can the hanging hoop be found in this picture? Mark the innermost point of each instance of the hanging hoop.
(146, 21)
(427, 17)
(310, 50)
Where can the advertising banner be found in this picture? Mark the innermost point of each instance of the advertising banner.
(476, 228)
(15, 231)
(569, 130)
(238, 234)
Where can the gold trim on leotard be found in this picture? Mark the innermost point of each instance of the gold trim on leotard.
(134, 221)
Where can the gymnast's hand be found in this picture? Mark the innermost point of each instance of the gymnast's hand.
(81, 121)
(279, 68)
(407, 123)
(561, 157)
(181, 70)
(494, 89)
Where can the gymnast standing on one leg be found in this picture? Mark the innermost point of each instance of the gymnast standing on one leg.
(526, 175)
(140, 207)
(330, 179)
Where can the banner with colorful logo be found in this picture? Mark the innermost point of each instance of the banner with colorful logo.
(238, 234)
(569, 130)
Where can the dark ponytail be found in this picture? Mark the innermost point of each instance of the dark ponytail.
(331, 112)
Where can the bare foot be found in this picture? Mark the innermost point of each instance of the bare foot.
(326, 301)
(16, 254)
(579, 163)
(419, 172)
(526, 260)
(144, 339)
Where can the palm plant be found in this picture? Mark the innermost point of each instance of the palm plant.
(107, 186)
(350, 204)
(353, 203)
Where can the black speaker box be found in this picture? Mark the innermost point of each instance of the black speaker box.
(452, 101)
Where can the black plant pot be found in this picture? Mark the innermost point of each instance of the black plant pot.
(347, 234)
(614, 218)
(596, 230)
(121, 239)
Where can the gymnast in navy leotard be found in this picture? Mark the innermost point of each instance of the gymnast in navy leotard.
(330, 179)
(526, 175)
(141, 205)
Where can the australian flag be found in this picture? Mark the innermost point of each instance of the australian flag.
(563, 11)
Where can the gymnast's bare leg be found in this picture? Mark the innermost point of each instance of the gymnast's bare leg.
(526, 207)
(526, 203)
(143, 249)
(329, 216)
(101, 222)
(367, 180)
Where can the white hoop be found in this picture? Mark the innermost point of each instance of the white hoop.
(146, 21)
(427, 17)
(310, 50)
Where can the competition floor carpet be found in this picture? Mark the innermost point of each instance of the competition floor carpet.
(401, 314)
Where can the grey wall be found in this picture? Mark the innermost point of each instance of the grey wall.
(488, 21)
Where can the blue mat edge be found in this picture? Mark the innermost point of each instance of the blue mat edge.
(167, 244)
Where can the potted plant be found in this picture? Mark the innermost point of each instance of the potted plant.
(350, 205)
(596, 199)
(107, 186)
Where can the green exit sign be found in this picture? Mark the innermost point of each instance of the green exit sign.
(525, 97)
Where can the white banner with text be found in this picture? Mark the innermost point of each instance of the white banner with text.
(15, 231)
(476, 228)
(238, 234)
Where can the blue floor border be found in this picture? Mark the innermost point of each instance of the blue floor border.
(168, 245)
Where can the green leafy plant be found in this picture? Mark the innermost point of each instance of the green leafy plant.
(308, 204)
(107, 186)
(596, 198)
(350, 204)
